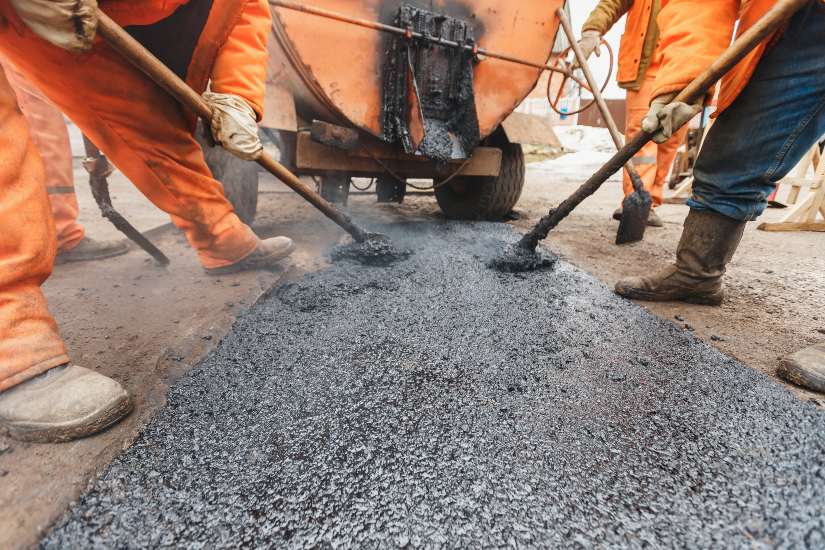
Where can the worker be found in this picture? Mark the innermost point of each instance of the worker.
(638, 66)
(51, 137)
(149, 137)
(769, 115)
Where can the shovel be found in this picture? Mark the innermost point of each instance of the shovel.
(695, 91)
(636, 206)
(139, 56)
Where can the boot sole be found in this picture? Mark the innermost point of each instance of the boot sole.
(91, 258)
(268, 263)
(710, 300)
(95, 423)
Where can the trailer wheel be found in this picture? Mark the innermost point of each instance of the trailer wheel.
(238, 177)
(486, 198)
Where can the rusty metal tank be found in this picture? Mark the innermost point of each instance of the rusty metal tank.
(325, 68)
(334, 69)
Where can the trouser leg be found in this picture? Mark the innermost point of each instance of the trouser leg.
(645, 160)
(144, 133)
(653, 161)
(29, 340)
(51, 137)
(776, 119)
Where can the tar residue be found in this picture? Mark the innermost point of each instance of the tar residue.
(438, 403)
(517, 259)
(376, 250)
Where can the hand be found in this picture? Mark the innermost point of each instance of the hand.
(665, 116)
(590, 43)
(234, 126)
(68, 24)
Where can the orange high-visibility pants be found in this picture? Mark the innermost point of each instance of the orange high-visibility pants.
(654, 161)
(143, 132)
(50, 136)
(29, 341)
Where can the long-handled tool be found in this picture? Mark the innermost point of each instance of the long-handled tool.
(521, 256)
(139, 56)
(636, 206)
(99, 169)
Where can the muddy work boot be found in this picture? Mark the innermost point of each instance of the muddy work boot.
(89, 250)
(707, 246)
(268, 254)
(62, 404)
(653, 220)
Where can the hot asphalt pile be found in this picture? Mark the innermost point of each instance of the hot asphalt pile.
(438, 402)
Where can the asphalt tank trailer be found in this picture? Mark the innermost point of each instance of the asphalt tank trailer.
(404, 91)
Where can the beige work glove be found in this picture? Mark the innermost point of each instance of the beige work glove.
(666, 117)
(234, 126)
(590, 43)
(68, 24)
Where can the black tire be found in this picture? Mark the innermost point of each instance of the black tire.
(486, 198)
(238, 177)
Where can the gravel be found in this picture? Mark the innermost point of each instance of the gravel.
(440, 403)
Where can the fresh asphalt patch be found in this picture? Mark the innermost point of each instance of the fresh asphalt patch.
(437, 402)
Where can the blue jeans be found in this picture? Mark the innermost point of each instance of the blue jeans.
(776, 119)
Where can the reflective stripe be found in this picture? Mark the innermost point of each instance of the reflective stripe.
(643, 160)
(60, 190)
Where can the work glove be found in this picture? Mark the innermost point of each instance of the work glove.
(666, 117)
(234, 125)
(68, 24)
(589, 44)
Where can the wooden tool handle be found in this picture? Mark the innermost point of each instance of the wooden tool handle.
(615, 134)
(143, 59)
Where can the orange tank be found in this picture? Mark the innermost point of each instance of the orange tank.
(334, 69)
(330, 70)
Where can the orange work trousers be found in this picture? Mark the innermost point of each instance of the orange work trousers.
(142, 130)
(50, 136)
(29, 341)
(654, 161)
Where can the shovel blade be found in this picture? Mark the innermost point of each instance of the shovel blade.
(635, 210)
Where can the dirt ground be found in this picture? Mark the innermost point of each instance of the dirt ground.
(145, 325)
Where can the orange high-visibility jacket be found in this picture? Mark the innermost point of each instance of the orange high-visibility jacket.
(639, 39)
(693, 33)
(230, 45)
(231, 48)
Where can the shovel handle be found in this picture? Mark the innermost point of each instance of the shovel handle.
(693, 92)
(162, 75)
(609, 121)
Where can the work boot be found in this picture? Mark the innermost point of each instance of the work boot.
(89, 249)
(707, 246)
(266, 256)
(63, 403)
(653, 220)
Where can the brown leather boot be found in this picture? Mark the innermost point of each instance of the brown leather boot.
(63, 403)
(707, 246)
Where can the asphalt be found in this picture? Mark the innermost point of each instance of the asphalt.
(440, 403)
